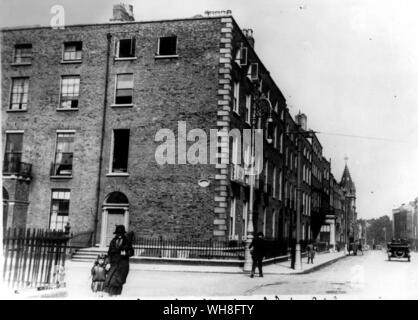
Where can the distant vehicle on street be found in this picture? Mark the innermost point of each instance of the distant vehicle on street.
(366, 247)
(399, 250)
(378, 247)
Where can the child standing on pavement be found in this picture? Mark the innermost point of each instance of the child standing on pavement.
(98, 273)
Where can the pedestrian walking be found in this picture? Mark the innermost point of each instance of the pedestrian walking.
(98, 274)
(311, 252)
(120, 250)
(257, 248)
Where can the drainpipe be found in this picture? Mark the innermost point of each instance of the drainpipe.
(96, 217)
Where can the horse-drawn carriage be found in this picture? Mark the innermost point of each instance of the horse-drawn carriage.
(398, 249)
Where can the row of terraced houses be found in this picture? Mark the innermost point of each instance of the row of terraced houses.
(81, 107)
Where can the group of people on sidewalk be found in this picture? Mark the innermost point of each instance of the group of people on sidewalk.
(110, 271)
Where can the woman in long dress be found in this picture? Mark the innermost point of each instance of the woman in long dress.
(120, 250)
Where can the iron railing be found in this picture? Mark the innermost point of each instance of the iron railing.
(188, 249)
(33, 258)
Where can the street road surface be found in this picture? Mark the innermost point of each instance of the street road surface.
(369, 276)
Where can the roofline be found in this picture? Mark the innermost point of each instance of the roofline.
(258, 58)
(18, 28)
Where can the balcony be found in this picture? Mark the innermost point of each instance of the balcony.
(17, 168)
(61, 170)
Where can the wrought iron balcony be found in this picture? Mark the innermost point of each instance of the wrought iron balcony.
(16, 167)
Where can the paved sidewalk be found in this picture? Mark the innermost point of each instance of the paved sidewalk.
(320, 260)
(151, 280)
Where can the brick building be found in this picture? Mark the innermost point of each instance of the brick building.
(82, 110)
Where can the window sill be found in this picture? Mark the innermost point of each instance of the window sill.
(16, 110)
(128, 105)
(61, 177)
(70, 61)
(121, 174)
(67, 109)
(172, 56)
(125, 59)
(16, 64)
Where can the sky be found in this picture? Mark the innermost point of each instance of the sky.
(350, 66)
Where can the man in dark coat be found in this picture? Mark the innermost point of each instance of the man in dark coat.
(257, 254)
(120, 249)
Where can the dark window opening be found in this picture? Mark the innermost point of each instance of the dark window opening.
(120, 150)
(13, 153)
(167, 46)
(23, 53)
(72, 50)
(19, 96)
(126, 48)
(124, 89)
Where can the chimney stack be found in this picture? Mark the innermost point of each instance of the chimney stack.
(302, 121)
(123, 12)
(248, 33)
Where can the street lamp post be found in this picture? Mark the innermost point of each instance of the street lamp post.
(257, 113)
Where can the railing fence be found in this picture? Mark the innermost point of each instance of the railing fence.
(33, 258)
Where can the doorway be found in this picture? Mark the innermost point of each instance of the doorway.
(115, 211)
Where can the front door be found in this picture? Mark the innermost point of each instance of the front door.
(114, 217)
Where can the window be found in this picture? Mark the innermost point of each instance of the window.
(70, 90)
(124, 89)
(276, 130)
(273, 224)
(63, 162)
(19, 96)
(276, 107)
(253, 71)
(119, 163)
(303, 231)
(72, 51)
(60, 208)
(23, 54)
(264, 220)
(280, 185)
(274, 181)
(236, 148)
(241, 56)
(281, 143)
(125, 48)
(248, 109)
(266, 168)
(244, 219)
(235, 102)
(167, 46)
(232, 216)
(13, 152)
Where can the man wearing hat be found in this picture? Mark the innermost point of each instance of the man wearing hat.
(120, 249)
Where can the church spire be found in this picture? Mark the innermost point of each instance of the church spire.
(346, 181)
